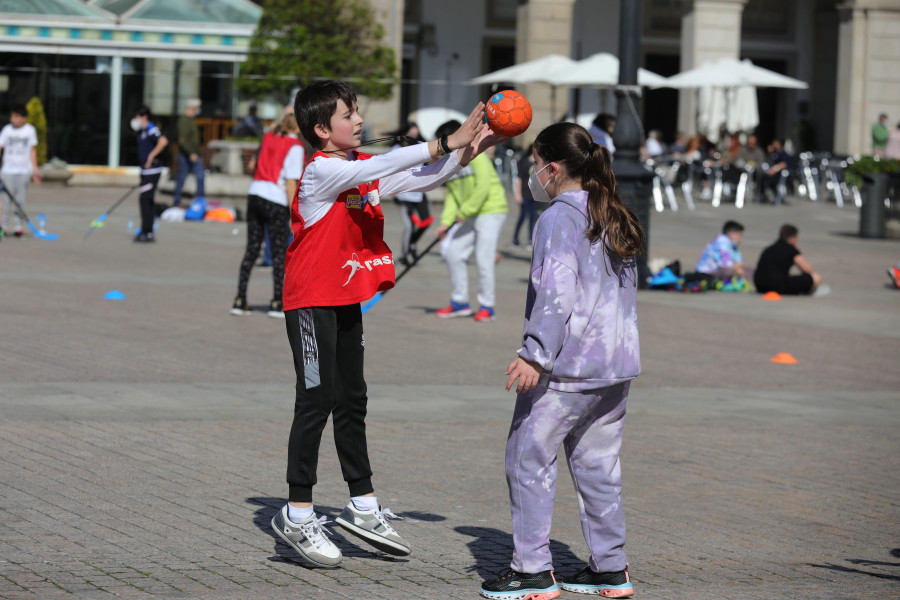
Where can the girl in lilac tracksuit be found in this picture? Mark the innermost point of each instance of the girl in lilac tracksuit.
(579, 354)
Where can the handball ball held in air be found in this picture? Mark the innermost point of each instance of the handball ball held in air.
(509, 113)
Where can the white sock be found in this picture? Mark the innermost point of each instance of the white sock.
(365, 502)
(298, 515)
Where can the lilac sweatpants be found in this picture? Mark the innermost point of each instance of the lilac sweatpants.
(589, 425)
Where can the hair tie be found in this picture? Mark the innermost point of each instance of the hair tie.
(592, 148)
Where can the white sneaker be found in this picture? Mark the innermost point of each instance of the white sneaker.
(373, 527)
(308, 538)
(822, 290)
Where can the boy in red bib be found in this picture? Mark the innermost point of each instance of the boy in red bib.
(338, 258)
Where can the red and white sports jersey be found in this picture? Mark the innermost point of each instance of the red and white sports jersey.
(271, 156)
(341, 258)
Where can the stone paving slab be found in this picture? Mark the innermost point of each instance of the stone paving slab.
(735, 496)
(142, 442)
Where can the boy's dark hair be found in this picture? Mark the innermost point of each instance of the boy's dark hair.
(315, 104)
(447, 128)
(787, 232)
(142, 111)
(730, 226)
(19, 109)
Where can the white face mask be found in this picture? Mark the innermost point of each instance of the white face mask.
(137, 124)
(538, 191)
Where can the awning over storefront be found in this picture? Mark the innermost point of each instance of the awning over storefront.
(196, 30)
(117, 30)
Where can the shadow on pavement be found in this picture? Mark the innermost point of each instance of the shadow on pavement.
(492, 550)
(422, 516)
(864, 562)
(269, 507)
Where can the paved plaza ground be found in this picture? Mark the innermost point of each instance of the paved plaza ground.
(143, 441)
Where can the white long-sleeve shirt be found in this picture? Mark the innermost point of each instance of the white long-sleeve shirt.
(399, 170)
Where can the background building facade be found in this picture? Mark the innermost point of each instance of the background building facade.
(92, 61)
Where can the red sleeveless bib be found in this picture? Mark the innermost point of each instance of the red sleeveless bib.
(341, 259)
(271, 156)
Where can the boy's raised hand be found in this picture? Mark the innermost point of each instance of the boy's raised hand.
(485, 139)
(469, 129)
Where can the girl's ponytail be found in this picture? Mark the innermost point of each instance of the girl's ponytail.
(610, 220)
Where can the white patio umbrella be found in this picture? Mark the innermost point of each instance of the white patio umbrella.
(429, 119)
(730, 72)
(601, 70)
(727, 93)
(735, 108)
(538, 70)
(532, 71)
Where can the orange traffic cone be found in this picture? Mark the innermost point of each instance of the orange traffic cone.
(783, 358)
(774, 296)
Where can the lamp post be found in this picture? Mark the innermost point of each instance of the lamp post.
(632, 177)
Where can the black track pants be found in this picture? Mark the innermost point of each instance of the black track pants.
(148, 206)
(328, 346)
(262, 213)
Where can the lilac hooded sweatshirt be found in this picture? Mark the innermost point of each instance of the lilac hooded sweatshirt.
(580, 315)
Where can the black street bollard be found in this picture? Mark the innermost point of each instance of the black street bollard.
(632, 177)
(872, 214)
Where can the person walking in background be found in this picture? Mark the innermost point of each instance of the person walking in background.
(18, 142)
(189, 152)
(150, 144)
(414, 210)
(773, 271)
(892, 148)
(523, 197)
(474, 211)
(879, 135)
(278, 168)
(579, 353)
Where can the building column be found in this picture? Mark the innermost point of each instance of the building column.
(168, 83)
(868, 81)
(382, 115)
(115, 112)
(710, 29)
(544, 27)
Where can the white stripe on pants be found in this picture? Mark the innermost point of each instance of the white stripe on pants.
(479, 235)
(589, 426)
(17, 184)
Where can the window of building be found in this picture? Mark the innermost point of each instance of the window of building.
(412, 12)
(498, 54)
(663, 17)
(766, 18)
(501, 14)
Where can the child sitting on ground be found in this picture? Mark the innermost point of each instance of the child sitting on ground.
(722, 259)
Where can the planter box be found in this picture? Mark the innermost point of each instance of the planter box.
(230, 157)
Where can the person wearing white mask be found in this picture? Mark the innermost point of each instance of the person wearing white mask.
(150, 144)
(573, 370)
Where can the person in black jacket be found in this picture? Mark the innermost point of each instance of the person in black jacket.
(774, 266)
